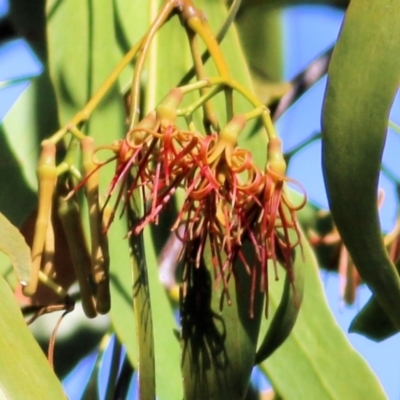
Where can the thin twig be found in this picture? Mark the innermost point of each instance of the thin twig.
(303, 81)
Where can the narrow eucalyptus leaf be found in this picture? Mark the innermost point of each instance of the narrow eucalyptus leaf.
(363, 79)
(285, 316)
(13, 244)
(317, 361)
(218, 346)
(143, 315)
(24, 371)
(373, 322)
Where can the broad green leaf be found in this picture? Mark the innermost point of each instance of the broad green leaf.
(142, 309)
(13, 244)
(168, 60)
(31, 118)
(260, 30)
(287, 3)
(19, 147)
(285, 316)
(218, 346)
(29, 20)
(363, 79)
(167, 351)
(372, 321)
(24, 371)
(17, 198)
(131, 23)
(80, 61)
(261, 33)
(317, 361)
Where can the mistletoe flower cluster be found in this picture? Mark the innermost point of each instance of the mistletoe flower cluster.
(228, 199)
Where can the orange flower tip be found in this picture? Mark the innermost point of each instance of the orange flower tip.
(48, 154)
(188, 12)
(167, 110)
(229, 134)
(87, 143)
(275, 161)
(116, 145)
(140, 131)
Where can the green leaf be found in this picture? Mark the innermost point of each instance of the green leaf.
(19, 147)
(13, 244)
(24, 371)
(261, 33)
(29, 20)
(362, 82)
(167, 351)
(218, 346)
(287, 3)
(142, 309)
(132, 18)
(285, 316)
(373, 322)
(317, 361)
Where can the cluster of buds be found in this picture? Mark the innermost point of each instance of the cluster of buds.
(59, 225)
(228, 200)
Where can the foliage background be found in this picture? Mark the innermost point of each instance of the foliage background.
(293, 122)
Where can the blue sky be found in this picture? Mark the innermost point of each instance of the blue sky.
(308, 31)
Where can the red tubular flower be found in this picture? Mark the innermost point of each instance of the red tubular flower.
(132, 152)
(271, 218)
(218, 187)
(228, 200)
(153, 158)
(171, 163)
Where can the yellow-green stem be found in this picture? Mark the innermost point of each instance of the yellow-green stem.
(199, 102)
(219, 82)
(164, 14)
(195, 86)
(99, 258)
(55, 287)
(219, 37)
(69, 214)
(210, 118)
(84, 114)
(49, 249)
(67, 165)
(47, 176)
(255, 113)
(202, 28)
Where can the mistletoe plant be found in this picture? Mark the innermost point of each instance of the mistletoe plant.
(170, 159)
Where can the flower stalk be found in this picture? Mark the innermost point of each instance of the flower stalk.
(47, 176)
